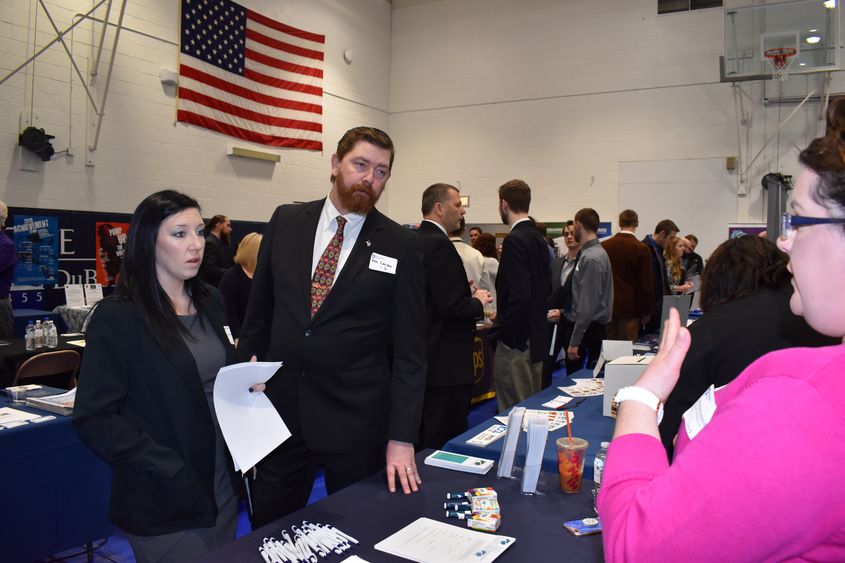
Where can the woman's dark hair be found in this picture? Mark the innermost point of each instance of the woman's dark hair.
(486, 245)
(138, 281)
(740, 267)
(826, 157)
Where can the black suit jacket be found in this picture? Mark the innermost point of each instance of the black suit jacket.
(216, 259)
(522, 287)
(450, 311)
(354, 375)
(728, 339)
(143, 409)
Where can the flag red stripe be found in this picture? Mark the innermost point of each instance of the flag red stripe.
(246, 93)
(284, 84)
(282, 65)
(279, 26)
(250, 115)
(282, 46)
(233, 131)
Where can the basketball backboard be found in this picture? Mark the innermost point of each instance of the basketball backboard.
(811, 27)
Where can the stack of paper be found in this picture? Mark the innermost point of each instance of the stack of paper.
(585, 388)
(59, 404)
(511, 441)
(538, 432)
(428, 540)
(250, 423)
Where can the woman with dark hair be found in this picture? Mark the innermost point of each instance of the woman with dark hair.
(745, 295)
(757, 472)
(675, 274)
(486, 245)
(144, 400)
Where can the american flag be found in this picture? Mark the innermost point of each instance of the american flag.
(248, 76)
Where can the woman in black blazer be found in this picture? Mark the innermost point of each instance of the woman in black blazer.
(144, 400)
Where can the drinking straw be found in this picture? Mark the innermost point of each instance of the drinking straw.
(568, 428)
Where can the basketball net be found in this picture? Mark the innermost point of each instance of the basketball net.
(780, 59)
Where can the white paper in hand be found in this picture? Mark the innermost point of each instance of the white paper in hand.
(250, 423)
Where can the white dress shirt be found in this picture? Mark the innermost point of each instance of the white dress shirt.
(327, 227)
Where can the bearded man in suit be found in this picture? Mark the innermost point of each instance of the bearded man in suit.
(339, 296)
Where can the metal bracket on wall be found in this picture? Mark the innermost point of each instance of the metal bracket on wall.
(99, 109)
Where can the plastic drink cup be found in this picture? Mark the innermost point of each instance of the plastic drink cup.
(570, 463)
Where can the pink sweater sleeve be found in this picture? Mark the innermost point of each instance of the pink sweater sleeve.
(762, 481)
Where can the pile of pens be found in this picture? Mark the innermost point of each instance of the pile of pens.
(309, 541)
(479, 507)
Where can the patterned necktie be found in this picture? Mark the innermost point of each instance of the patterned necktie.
(323, 278)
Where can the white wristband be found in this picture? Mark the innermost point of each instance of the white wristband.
(640, 395)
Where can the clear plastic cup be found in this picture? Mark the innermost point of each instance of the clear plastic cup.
(570, 463)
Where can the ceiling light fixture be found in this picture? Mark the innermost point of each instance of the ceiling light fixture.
(813, 39)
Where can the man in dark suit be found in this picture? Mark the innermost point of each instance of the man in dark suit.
(217, 257)
(339, 296)
(522, 287)
(633, 289)
(663, 231)
(451, 310)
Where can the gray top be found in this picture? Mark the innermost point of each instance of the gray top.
(592, 290)
(210, 356)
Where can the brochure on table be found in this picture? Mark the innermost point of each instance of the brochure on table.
(74, 295)
(429, 540)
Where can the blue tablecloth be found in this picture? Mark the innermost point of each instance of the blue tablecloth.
(55, 490)
(589, 424)
(369, 513)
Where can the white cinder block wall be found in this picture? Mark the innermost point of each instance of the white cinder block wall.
(559, 92)
(140, 149)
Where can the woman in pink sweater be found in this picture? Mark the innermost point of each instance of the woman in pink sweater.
(759, 466)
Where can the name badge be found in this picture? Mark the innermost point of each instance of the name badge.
(228, 332)
(381, 263)
(698, 416)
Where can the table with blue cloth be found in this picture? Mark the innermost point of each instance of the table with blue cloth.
(369, 513)
(589, 424)
(55, 489)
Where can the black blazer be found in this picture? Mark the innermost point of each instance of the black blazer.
(354, 375)
(144, 411)
(728, 339)
(216, 259)
(522, 288)
(450, 311)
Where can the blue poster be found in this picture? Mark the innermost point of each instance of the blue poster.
(37, 239)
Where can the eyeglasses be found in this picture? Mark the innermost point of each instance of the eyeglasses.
(790, 223)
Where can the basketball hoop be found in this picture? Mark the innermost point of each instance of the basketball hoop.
(780, 58)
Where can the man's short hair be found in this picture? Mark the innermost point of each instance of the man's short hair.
(589, 219)
(666, 226)
(370, 135)
(693, 238)
(569, 223)
(629, 218)
(435, 193)
(213, 222)
(517, 194)
(479, 229)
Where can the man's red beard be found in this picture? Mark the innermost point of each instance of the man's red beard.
(359, 198)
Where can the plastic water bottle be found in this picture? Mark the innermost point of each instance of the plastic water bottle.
(52, 335)
(39, 335)
(598, 467)
(29, 337)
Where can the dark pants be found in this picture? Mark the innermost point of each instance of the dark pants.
(285, 477)
(7, 319)
(445, 415)
(588, 350)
